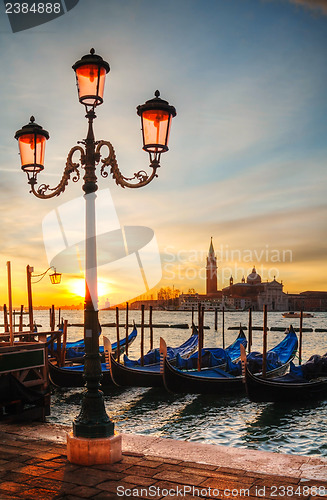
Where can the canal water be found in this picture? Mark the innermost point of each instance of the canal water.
(231, 421)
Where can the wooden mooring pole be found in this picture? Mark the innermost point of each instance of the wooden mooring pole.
(117, 334)
(29, 271)
(250, 330)
(142, 335)
(264, 350)
(300, 337)
(151, 328)
(126, 330)
(223, 327)
(11, 331)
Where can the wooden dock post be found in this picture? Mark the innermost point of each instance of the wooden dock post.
(264, 350)
(117, 334)
(216, 318)
(5, 318)
(151, 328)
(142, 335)
(11, 331)
(200, 332)
(223, 327)
(192, 315)
(250, 329)
(300, 337)
(64, 342)
(20, 328)
(126, 330)
(29, 271)
(52, 318)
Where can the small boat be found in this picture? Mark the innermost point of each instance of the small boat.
(75, 350)
(153, 357)
(292, 314)
(217, 381)
(72, 375)
(213, 356)
(149, 374)
(300, 384)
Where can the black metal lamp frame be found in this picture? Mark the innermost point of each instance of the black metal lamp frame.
(93, 421)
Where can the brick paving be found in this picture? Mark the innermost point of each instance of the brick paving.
(38, 469)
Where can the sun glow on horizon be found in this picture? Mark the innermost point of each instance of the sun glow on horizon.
(77, 287)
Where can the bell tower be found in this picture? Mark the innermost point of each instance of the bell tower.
(211, 271)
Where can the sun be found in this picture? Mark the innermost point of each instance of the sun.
(77, 286)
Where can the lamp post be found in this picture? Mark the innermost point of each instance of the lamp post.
(156, 115)
(55, 279)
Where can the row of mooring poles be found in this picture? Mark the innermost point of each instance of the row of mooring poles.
(201, 310)
(142, 331)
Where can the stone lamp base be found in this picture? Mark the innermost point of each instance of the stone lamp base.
(83, 451)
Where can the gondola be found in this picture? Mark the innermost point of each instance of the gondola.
(217, 381)
(292, 386)
(152, 357)
(213, 356)
(75, 350)
(148, 375)
(151, 376)
(72, 375)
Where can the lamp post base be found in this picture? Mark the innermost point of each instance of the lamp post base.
(83, 451)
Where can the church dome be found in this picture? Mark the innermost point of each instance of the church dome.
(254, 278)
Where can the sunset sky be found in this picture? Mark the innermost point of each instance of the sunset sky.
(247, 160)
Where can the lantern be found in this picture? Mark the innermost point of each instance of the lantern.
(91, 73)
(31, 139)
(55, 278)
(156, 115)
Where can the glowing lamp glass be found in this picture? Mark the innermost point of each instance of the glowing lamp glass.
(32, 150)
(90, 82)
(55, 278)
(156, 127)
(91, 72)
(156, 115)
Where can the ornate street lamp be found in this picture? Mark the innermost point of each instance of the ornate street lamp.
(55, 279)
(156, 115)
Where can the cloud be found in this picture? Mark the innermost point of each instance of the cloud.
(313, 4)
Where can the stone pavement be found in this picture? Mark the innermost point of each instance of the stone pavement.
(33, 465)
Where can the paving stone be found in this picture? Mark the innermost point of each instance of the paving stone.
(141, 471)
(48, 484)
(118, 467)
(82, 491)
(10, 487)
(111, 486)
(179, 477)
(165, 460)
(32, 470)
(17, 477)
(139, 480)
(147, 462)
(133, 454)
(12, 466)
(165, 467)
(40, 493)
(200, 466)
(108, 496)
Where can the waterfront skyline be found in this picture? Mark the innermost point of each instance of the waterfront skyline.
(247, 149)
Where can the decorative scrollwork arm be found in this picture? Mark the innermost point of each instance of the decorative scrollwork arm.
(71, 168)
(141, 178)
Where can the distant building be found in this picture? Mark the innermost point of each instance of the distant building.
(255, 293)
(308, 301)
(211, 271)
